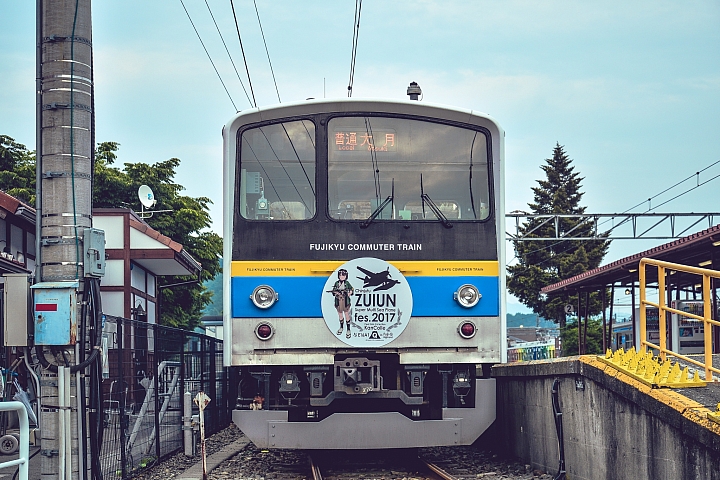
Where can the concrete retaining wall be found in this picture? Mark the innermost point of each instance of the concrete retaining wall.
(614, 426)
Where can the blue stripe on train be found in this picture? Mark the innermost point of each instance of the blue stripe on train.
(300, 296)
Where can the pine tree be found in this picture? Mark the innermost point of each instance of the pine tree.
(543, 263)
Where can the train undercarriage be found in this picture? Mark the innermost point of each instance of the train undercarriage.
(373, 398)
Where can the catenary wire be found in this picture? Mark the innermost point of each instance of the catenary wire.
(208, 55)
(237, 27)
(628, 210)
(696, 174)
(228, 52)
(267, 51)
(356, 32)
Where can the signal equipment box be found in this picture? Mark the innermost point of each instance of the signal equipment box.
(94, 262)
(55, 313)
(15, 309)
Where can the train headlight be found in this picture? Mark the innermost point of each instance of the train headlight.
(467, 329)
(467, 295)
(264, 296)
(264, 331)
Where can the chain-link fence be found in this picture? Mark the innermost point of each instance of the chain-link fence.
(146, 370)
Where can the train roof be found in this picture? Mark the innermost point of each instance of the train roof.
(319, 106)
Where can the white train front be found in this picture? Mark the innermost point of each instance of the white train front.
(364, 273)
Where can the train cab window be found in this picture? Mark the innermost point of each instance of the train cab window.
(277, 172)
(412, 163)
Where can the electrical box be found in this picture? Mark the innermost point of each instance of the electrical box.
(55, 313)
(94, 262)
(16, 309)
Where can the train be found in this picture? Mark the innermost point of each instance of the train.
(363, 273)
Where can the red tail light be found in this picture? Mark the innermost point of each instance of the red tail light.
(264, 331)
(467, 330)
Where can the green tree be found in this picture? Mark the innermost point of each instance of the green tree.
(593, 342)
(17, 170)
(188, 223)
(543, 263)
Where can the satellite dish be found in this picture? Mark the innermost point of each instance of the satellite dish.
(146, 195)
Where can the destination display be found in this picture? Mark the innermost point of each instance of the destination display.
(381, 140)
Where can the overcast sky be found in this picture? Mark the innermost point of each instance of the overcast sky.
(631, 89)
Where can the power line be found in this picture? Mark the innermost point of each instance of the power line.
(237, 27)
(228, 51)
(267, 52)
(356, 31)
(208, 55)
(696, 174)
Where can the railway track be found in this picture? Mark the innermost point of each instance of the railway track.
(401, 466)
(437, 463)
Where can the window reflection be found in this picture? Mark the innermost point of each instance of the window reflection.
(277, 172)
(371, 158)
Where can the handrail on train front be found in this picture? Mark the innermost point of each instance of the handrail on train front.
(23, 459)
(663, 308)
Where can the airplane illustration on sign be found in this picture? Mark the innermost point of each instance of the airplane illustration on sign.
(380, 280)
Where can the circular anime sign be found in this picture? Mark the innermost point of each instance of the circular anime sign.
(366, 303)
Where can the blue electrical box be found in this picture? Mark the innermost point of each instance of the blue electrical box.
(55, 313)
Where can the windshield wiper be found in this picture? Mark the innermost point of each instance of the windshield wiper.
(426, 198)
(380, 207)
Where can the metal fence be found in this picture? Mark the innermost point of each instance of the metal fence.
(146, 370)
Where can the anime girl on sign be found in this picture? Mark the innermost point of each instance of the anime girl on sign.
(342, 290)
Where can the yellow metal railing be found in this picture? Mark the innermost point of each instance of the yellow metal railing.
(663, 308)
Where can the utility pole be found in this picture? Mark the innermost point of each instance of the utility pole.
(65, 137)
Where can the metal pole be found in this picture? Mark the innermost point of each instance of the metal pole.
(632, 315)
(579, 323)
(587, 318)
(64, 102)
(121, 391)
(156, 382)
(187, 424)
(604, 321)
(612, 302)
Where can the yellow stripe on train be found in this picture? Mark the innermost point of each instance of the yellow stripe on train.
(323, 268)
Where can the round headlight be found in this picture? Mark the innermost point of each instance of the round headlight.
(467, 296)
(264, 296)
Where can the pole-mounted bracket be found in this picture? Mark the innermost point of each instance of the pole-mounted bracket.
(51, 175)
(76, 106)
(69, 38)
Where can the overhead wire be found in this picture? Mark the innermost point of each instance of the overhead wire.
(208, 55)
(247, 70)
(696, 174)
(228, 52)
(356, 32)
(267, 51)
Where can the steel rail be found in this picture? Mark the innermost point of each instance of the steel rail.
(438, 471)
(315, 469)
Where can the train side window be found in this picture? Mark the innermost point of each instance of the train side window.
(277, 172)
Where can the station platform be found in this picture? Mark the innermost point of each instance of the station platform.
(612, 425)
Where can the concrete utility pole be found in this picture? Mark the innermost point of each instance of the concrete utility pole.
(64, 206)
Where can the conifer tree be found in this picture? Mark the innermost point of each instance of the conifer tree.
(543, 263)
